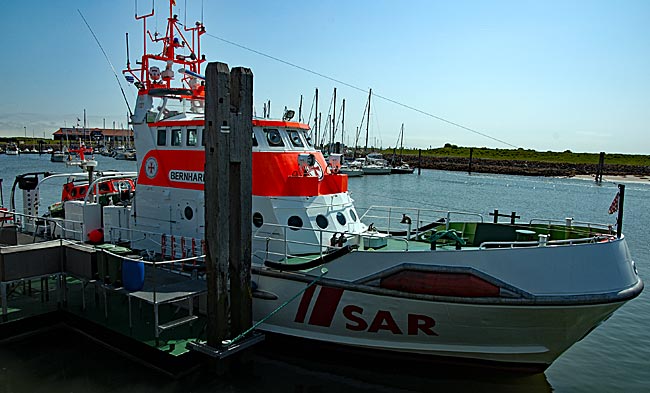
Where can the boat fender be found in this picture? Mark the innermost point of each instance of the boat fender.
(96, 236)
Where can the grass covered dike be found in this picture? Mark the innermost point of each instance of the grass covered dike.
(526, 161)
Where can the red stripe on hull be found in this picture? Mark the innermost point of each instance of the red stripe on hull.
(304, 304)
(325, 307)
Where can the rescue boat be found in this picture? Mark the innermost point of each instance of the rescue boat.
(399, 280)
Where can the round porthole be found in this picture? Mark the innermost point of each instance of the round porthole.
(294, 222)
(258, 220)
(321, 221)
(189, 213)
(340, 218)
(353, 216)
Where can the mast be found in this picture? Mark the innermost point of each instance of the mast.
(368, 120)
(401, 143)
(300, 110)
(316, 121)
(343, 123)
(333, 130)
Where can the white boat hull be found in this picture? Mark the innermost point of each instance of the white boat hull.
(533, 322)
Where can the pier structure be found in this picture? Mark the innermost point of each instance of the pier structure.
(169, 313)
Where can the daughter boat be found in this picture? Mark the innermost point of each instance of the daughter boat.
(400, 280)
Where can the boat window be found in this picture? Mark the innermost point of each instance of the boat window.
(202, 136)
(177, 137)
(258, 220)
(103, 187)
(353, 215)
(294, 222)
(191, 137)
(162, 137)
(321, 221)
(254, 139)
(273, 137)
(307, 138)
(340, 218)
(82, 191)
(294, 136)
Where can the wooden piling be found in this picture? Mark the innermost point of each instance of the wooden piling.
(601, 165)
(228, 185)
(471, 153)
(419, 161)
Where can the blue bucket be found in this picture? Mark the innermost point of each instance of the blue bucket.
(132, 274)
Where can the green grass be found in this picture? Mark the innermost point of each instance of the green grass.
(527, 155)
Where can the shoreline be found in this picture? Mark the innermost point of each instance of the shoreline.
(617, 178)
(611, 172)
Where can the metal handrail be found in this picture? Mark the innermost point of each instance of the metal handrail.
(536, 243)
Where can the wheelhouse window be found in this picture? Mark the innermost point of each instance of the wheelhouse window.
(162, 137)
(294, 137)
(191, 137)
(273, 137)
(307, 138)
(254, 139)
(177, 136)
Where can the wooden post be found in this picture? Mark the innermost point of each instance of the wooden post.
(241, 189)
(471, 152)
(217, 183)
(599, 170)
(228, 189)
(419, 161)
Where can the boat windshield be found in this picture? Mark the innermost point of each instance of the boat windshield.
(166, 107)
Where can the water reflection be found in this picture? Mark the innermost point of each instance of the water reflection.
(65, 360)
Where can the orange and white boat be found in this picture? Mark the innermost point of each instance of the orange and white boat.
(400, 280)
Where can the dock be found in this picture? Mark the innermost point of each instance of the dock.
(58, 281)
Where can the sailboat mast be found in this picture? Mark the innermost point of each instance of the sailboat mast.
(316, 122)
(368, 120)
(401, 143)
(342, 124)
(333, 130)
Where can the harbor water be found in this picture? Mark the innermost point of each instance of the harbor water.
(614, 357)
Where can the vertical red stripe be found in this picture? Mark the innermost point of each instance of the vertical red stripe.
(326, 304)
(304, 304)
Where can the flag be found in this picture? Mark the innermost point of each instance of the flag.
(613, 208)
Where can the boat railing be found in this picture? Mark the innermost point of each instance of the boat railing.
(390, 218)
(544, 242)
(569, 222)
(278, 233)
(68, 229)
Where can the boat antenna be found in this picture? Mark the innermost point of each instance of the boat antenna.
(128, 62)
(108, 60)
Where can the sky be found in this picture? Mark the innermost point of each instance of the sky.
(544, 75)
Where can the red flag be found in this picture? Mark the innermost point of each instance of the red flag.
(613, 208)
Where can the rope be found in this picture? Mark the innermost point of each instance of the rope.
(272, 313)
(362, 90)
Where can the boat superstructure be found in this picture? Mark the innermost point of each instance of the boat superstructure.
(405, 280)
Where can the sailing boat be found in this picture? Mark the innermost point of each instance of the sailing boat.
(374, 163)
(400, 166)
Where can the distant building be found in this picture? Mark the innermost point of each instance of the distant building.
(107, 136)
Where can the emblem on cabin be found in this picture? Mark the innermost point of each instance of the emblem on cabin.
(151, 167)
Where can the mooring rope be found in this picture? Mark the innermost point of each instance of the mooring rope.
(272, 313)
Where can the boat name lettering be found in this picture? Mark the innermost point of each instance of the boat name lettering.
(186, 176)
(384, 320)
